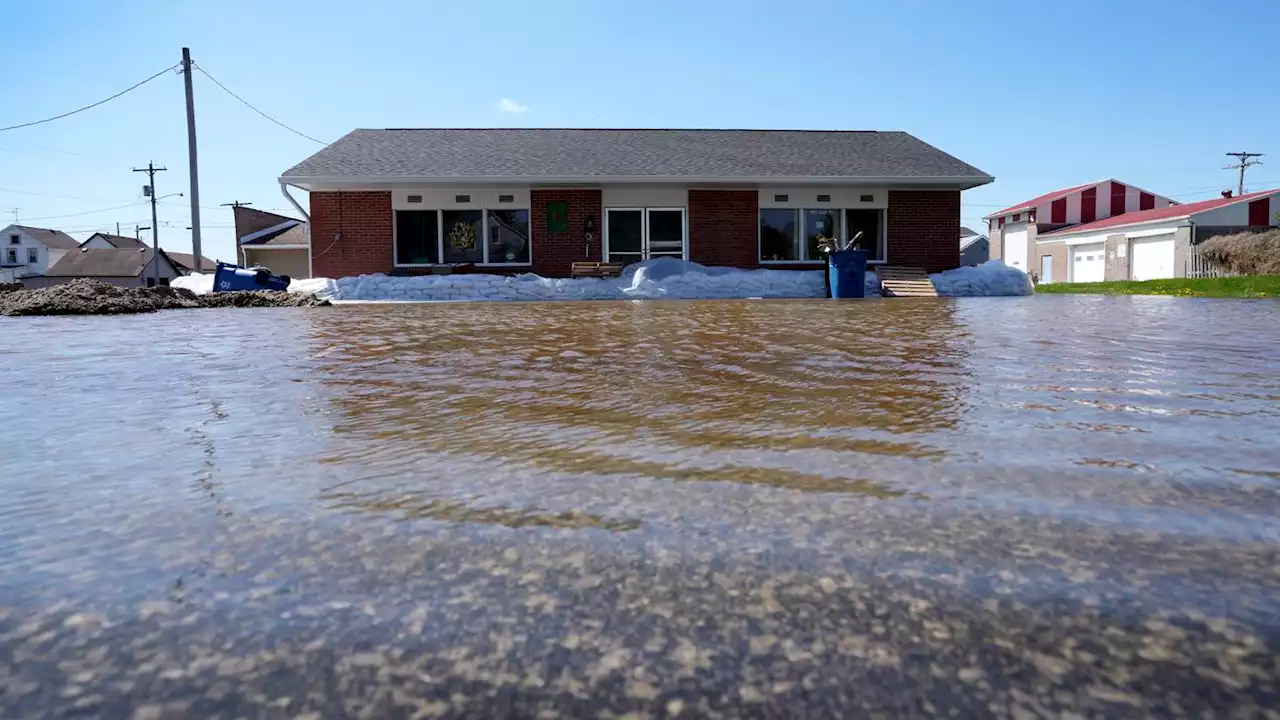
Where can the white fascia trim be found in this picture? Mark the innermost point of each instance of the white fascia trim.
(267, 231)
(1116, 229)
(275, 247)
(388, 183)
(1153, 232)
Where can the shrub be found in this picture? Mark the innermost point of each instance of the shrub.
(1246, 253)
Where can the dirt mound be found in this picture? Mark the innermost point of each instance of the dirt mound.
(83, 296)
(260, 298)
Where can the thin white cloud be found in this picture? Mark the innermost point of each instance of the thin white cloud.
(507, 105)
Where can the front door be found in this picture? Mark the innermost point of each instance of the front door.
(1046, 268)
(635, 234)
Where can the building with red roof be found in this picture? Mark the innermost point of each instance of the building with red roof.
(1015, 229)
(1158, 242)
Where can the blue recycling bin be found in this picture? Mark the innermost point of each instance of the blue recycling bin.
(231, 278)
(847, 272)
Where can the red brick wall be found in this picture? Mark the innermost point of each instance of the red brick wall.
(555, 253)
(723, 225)
(351, 233)
(924, 229)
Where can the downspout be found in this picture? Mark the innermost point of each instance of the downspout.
(284, 190)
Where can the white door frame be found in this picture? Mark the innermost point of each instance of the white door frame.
(644, 230)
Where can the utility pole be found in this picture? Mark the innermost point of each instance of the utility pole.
(117, 228)
(1244, 164)
(191, 159)
(151, 171)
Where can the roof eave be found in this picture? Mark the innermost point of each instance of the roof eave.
(392, 183)
(1075, 232)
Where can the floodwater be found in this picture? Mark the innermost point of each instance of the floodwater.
(1011, 507)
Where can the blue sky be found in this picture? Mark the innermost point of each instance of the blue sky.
(1152, 92)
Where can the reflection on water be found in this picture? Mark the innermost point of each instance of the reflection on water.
(713, 392)
(687, 419)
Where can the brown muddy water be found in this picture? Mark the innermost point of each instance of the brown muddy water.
(1011, 507)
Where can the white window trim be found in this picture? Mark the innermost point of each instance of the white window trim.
(644, 230)
(33, 251)
(483, 240)
(844, 233)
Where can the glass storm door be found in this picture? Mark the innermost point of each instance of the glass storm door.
(624, 235)
(635, 234)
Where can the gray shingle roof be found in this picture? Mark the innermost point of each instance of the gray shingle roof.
(187, 261)
(543, 154)
(101, 263)
(119, 242)
(50, 238)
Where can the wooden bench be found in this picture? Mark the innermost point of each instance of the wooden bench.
(596, 269)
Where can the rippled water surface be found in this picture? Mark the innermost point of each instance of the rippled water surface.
(545, 468)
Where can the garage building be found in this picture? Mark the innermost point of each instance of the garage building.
(1153, 244)
(1015, 230)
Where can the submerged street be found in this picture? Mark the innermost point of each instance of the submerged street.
(991, 506)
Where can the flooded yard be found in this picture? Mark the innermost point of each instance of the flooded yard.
(979, 506)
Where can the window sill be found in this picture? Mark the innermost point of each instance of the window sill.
(454, 265)
(812, 262)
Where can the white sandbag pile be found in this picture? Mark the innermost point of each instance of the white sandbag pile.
(673, 279)
(664, 278)
(990, 279)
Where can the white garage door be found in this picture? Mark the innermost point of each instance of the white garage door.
(1152, 257)
(1088, 263)
(1015, 245)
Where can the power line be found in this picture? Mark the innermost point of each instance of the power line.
(86, 212)
(251, 107)
(89, 107)
(52, 195)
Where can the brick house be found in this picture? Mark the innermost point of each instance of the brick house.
(537, 200)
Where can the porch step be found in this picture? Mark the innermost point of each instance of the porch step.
(897, 281)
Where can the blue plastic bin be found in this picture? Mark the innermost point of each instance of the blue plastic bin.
(847, 271)
(230, 278)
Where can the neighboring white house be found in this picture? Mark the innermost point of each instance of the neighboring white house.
(274, 241)
(29, 251)
(1158, 243)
